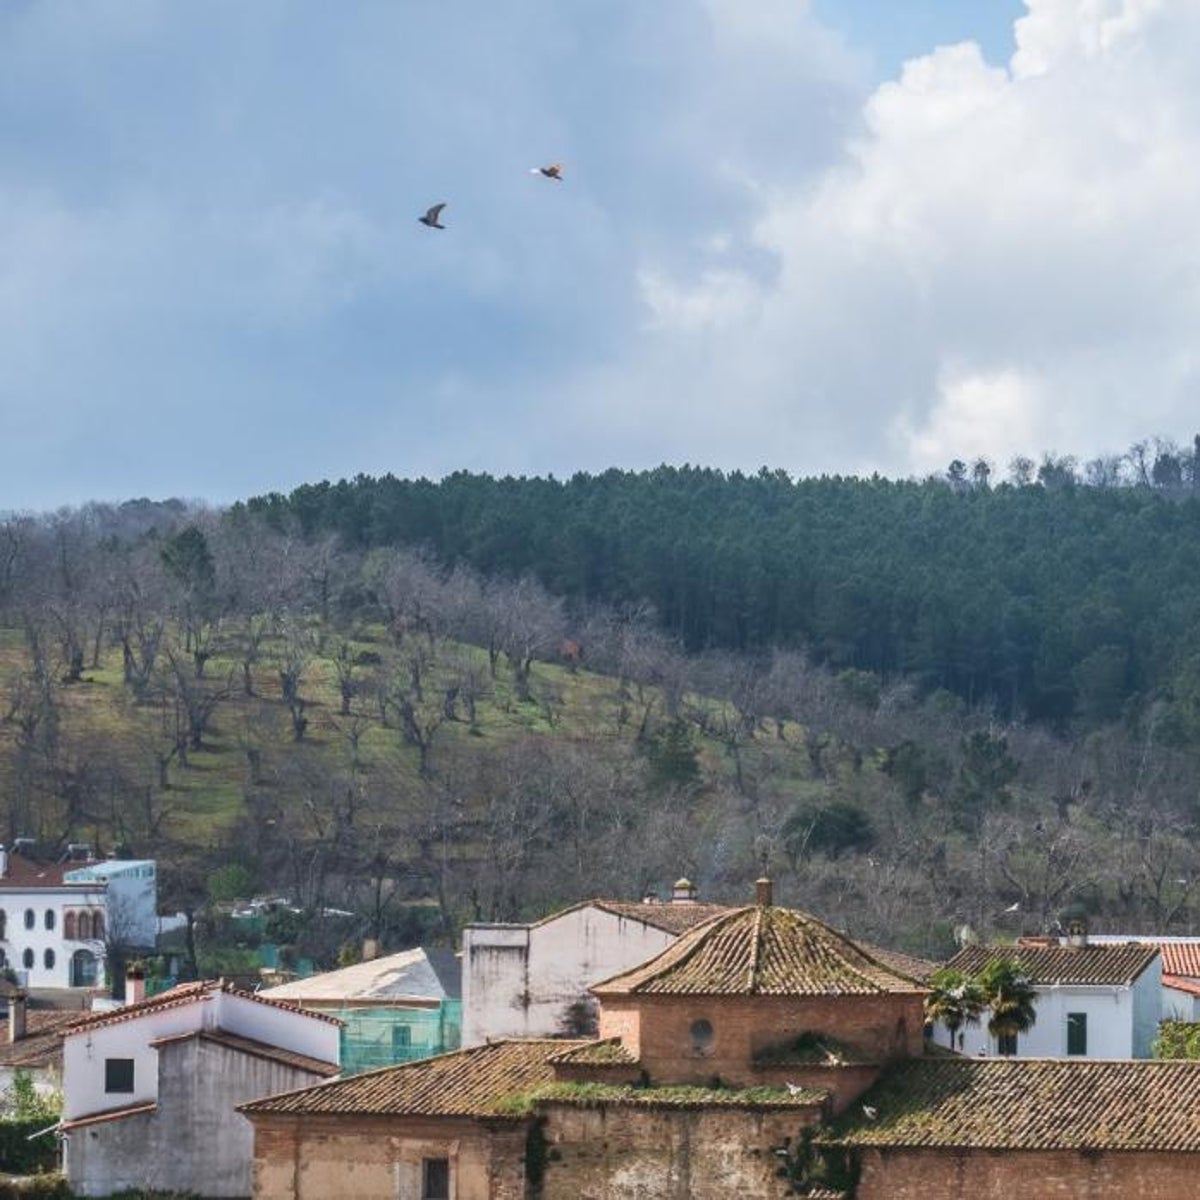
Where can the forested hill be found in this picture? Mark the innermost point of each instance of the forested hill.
(1048, 598)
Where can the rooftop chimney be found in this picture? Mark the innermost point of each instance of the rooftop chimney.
(684, 892)
(16, 1016)
(1077, 932)
(135, 985)
(762, 892)
(370, 949)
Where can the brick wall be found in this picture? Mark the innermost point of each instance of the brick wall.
(911, 1174)
(618, 1153)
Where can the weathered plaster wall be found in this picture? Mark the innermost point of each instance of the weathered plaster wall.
(194, 1142)
(377, 1159)
(1042, 1175)
(621, 1153)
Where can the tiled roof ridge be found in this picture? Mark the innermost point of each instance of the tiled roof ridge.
(180, 996)
(858, 948)
(639, 910)
(1122, 962)
(755, 948)
(681, 953)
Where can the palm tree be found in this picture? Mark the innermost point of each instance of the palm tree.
(956, 1000)
(1010, 997)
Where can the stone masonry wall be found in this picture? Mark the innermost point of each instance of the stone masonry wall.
(624, 1153)
(910, 1174)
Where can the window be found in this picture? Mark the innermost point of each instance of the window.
(48, 960)
(49, 918)
(401, 1041)
(27, 959)
(3, 925)
(97, 926)
(30, 918)
(1076, 1033)
(1007, 1044)
(69, 926)
(702, 1036)
(84, 926)
(118, 1075)
(435, 1179)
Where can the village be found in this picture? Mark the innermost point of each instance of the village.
(662, 1046)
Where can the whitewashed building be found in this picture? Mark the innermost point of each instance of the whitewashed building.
(57, 920)
(1180, 971)
(1093, 1001)
(532, 980)
(150, 1090)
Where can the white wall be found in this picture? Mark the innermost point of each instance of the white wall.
(299, 1032)
(518, 980)
(39, 939)
(1179, 1006)
(1110, 1024)
(1147, 1009)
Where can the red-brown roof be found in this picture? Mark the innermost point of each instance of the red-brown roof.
(1093, 964)
(256, 1049)
(1180, 958)
(1181, 983)
(111, 1114)
(41, 1046)
(23, 873)
(466, 1083)
(178, 997)
(761, 951)
(1031, 1104)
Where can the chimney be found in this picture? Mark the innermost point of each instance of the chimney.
(1077, 932)
(684, 892)
(650, 898)
(16, 1016)
(762, 892)
(370, 949)
(135, 985)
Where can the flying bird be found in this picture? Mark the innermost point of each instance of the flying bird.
(1015, 907)
(553, 171)
(431, 217)
(872, 1114)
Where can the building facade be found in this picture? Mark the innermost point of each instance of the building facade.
(533, 980)
(149, 1090)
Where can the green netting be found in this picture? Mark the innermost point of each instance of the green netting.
(383, 1037)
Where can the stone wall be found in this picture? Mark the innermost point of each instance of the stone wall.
(614, 1152)
(911, 1174)
(374, 1158)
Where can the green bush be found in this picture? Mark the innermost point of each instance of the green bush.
(38, 1187)
(19, 1155)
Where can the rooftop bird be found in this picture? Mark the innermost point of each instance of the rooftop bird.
(794, 1089)
(872, 1114)
(553, 171)
(431, 217)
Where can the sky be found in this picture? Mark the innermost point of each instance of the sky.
(833, 237)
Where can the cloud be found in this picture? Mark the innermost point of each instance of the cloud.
(1002, 259)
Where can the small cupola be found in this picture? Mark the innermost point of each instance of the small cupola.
(1075, 922)
(684, 892)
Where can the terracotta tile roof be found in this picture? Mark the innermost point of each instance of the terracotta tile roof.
(256, 1049)
(670, 918)
(466, 1083)
(178, 997)
(1180, 958)
(41, 1046)
(611, 1052)
(628, 1095)
(1092, 964)
(1182, 984)
(920, 969)
(1031, 1104)
(24, 873)
(761, 951)
(111, 1114)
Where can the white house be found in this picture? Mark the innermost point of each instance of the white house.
(1093, 1001)
(150, 1090)
(1180, 971)
(532, 980)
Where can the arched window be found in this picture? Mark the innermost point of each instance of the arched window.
(3, 925)
(30, 918)
(48, 960)
(69, 926)
(85, 926)
(84, 969)
(27, 959)
(98, 926)
(702, 1037)
(49, 918)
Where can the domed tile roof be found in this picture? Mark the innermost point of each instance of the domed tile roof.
(761, 951)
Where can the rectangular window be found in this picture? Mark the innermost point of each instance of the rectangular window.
(1076, 1033)
(1007, 1044)
(118, 1075)
(435, 1179)
(401, 1040)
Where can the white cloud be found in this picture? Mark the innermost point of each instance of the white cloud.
(1003, 260)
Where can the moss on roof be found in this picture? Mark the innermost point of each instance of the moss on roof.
(593, 1095)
